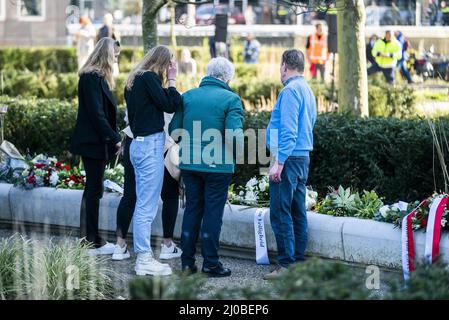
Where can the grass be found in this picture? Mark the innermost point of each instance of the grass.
(427, 95)
(36, 270)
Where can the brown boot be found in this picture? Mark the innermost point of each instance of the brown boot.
(275, 273)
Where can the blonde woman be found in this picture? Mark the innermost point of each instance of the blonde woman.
(96, 138)
(147, 99)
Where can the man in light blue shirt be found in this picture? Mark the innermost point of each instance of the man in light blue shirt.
(290, 140)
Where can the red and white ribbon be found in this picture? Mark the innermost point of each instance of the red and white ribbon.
(433, 234)
(433, 230)
(408, 243)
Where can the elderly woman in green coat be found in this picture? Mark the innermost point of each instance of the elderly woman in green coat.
(210, 124)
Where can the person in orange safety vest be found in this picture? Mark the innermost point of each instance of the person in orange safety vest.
(317, 52)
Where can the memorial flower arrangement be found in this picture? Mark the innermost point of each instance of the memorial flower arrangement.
(396, 212)
(115, 174)
(256, 193)
(49, 172)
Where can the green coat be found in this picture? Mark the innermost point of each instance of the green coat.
(206, 113)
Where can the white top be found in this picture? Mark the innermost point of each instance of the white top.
(167, 119)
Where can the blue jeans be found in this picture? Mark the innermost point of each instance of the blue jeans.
(147, 158)
(288, 213)
(206, 195)
(404, 71)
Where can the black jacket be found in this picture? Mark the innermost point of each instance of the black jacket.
(147, 101)
(96, 133)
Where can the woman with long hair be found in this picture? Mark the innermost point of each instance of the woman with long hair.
(96, 138)
(147, 99)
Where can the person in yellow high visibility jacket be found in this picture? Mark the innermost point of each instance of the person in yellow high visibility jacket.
(445, 13)
(387, 52)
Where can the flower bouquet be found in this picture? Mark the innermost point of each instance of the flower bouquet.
(396, 212)
(256, 193)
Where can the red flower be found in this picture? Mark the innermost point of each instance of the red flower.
(39, 165)
(74, 178)
(58, 165)
(423, 222)
(31, 179)
(67, 167)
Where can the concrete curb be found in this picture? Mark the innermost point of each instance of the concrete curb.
(348, 239)
(5, 208)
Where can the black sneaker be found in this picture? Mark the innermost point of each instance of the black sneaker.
(217, 271)
(189, 269)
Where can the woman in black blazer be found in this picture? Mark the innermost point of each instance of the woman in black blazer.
(96, 138)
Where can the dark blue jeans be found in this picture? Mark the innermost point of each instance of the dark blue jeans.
(388, 72)
(288, 213)
(206, 195)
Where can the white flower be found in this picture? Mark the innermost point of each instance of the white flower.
(251, 183)
(383, 211)
(251, 197)
(54, 178)
(263, 185)
(83, 173)
(109, 172)
(241, 193)
(443, 222)
(71, 183)
(312, 194)
(25, 173)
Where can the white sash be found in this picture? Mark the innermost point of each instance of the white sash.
(260, 237)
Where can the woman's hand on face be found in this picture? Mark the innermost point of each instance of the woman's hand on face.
(172, 71)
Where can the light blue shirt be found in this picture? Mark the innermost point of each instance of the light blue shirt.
(290, 131)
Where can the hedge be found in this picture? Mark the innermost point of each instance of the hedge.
(64, 59)
(394, 157)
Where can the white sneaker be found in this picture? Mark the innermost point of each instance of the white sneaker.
(120, 253)
(108, 248)
(171, 252)
(147, 265)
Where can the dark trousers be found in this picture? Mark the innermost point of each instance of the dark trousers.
(169, 195)
(319, 68)
(127, 204)
(388, 72)
(206, 195)
(90, 204)
(288, 213)
(170, 199)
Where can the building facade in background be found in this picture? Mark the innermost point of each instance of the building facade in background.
(42, 22)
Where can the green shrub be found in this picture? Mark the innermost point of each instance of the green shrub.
(320, 280)
(36, 270)
(391, 156)
(51, 59)
(427, 282)
(178, 287)
(39, 125)
(391, 101)
(67, 87)
(346, 203)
